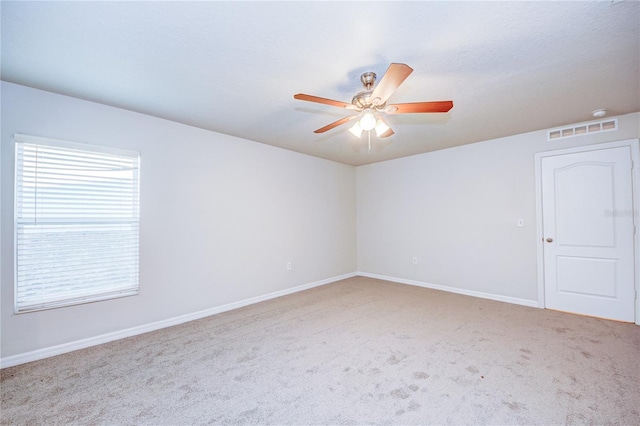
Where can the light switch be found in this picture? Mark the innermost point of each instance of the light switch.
(520, 223)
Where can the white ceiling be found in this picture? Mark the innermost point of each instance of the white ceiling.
(233, 67)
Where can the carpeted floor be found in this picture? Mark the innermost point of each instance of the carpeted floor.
(359, 351)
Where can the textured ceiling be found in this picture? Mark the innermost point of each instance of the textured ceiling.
(233, 67)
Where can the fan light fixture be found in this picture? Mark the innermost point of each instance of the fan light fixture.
(381, 128)
(356, 130)
(369, 122)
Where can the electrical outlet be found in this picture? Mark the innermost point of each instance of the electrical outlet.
(414, 260)
(289, 266)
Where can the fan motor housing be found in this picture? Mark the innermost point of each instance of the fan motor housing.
(362, 100)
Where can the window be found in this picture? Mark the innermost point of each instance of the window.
(76, 223)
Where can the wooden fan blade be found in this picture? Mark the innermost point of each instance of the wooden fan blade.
(392, 78)
(419, 107)
(335, 124)
(317, 99)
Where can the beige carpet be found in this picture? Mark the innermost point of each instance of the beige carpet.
(360, 351)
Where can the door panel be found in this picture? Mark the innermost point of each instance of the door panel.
(586, 276)
(588, 233)
(585, 191)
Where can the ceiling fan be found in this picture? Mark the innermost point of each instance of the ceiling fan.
(371, 103)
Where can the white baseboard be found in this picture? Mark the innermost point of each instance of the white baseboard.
(23, 358)
(498, 297)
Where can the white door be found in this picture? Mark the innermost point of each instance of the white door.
(587, 219)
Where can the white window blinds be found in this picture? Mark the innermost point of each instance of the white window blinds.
(77, 223)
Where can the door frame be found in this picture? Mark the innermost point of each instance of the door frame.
(634, 146)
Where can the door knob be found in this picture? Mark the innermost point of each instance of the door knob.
(549, 240)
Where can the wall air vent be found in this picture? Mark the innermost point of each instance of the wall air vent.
(583, 129)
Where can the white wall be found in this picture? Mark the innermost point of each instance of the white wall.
(456, 211)
(220, 218)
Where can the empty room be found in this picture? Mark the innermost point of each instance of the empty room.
(319, 213)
